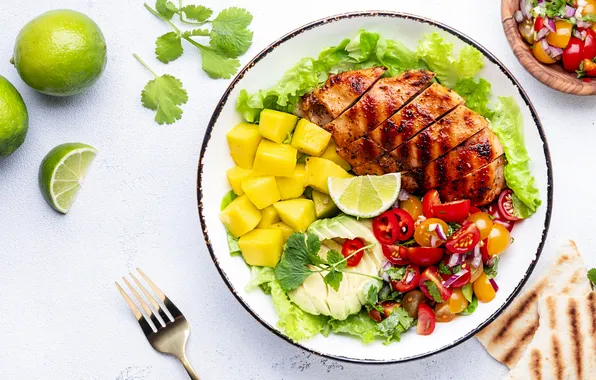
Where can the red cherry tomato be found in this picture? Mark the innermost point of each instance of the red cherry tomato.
(374, 314)
(423, 256)
(474, 210)
(452, 211)
(588, 67)
(573, 54)
(426, 320)
(394, 255)
(429, 201)
(409, 281)
(350, 246)
(484, 250)
(385, 227)
(388, 308)
(464, 239)
(432, 274)
(405, 224)
(493, 210)
(539, 24)
(589, 44)
(505, 204)
(463, 279)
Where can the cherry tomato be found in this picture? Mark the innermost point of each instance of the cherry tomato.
(388, 308)
(539, 23)
(408, 281)
(443, 313)
(483, 221)
(590, 8)
(588, 68)
(350, 246)
(590, 44)
(505, 204)
(405, 224)
(476, 271)
(573, 54)
(375, 314)
(385, 227)
(457, 302)
(425, 230)
(463, 279)
(426, 320)
(498, 241)
(541, 55)
(393, 254)
(474, 210)
(455, 211)
(432, 274)
(464, 239)
(560, 38)
(483, 290)
(413, 206)
(429, 201)
(493, 210)
(484, 250)
(411, 301)
(423, 256)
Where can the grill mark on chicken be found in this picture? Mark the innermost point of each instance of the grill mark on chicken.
(371, 168)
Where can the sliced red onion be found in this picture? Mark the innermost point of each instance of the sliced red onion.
(434, 241)
(583, 34)
(583, 24)
(490, 262)
(449, 281)
(519, 16)
(545, 45)
(577, 34)
(540, 1)
(550, 24)
(403, 195)
(569, 11)
(409, 277)
(494, 284)
(542, 33)
(384, 274)
(440, 233)
(477, 260)
(456, 259)
(525, 8)
(554, 51)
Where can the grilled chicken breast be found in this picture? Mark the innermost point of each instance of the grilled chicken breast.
(480, 186)
(337, 94)
(370, 168)
(383, 99)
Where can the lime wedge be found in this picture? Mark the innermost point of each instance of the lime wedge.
(62, 172)
(365, 196)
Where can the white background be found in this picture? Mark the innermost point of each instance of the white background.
(60, 314)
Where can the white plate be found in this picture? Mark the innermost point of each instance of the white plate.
(262, 72)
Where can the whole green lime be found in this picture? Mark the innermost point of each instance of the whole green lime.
(61, 52)
(14, 119)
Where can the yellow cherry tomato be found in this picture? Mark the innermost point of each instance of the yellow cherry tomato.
(560, 38)
(498, 240)
(413, 206)
(541, 55)
(457, 301)
(483, 289)
(590, 8)
(443, 312)
(484, 223)
(425, 230)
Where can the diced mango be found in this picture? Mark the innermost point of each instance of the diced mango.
(262, 247)
(235, 176)
(269, 216)
(319, 170)
(309, 138)
(296, 213)
(324, 206)
(275, 159)
(244, 140)
(240, 216)
(284, 228)
(276, 125)
(292, 187)
(262, 191)
(331, 154)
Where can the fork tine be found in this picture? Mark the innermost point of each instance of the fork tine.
(169, 304)
(145, 326)
(143, 304)
(151, 299)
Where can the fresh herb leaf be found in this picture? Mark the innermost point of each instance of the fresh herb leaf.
(592, 276)
(292, 270)
(468, 292)
(396, 323)
(229, 33)
(166, 8)
(444, 269)
(555, 8)
(168, 47)
(451, 228)
(433, 290)
(198, 13)
(471, 306)
(396, 273)
(333, 279)
(407, 243)
(217, 66)
(492, 270)
(196, 33)
(372, 294)
(163, 94)
(456, 269)
(336, 259)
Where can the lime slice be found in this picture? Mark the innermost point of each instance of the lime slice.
(62, 172)
(365, 196)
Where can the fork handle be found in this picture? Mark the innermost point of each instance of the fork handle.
(191, 372)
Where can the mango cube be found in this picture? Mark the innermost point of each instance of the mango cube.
(235, 176)
(240, 216)
(309, 138)
(275, 159)
(284, 228)
(331, 154)
(296, 213)
(319, 170)
(262, 191)
(324, 206)
(292, 187)
(269, 216)
(276, 125)
(244, 140)
(262, 247)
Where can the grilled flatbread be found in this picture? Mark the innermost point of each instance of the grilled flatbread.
(564, 347)
(507, 337)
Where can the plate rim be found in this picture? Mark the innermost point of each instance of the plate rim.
(391, 14)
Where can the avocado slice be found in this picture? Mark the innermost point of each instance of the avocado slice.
(324, 206)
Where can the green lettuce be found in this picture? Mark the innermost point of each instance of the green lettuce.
(476, 94)
(232, 241)
(261, 277)
(507, 123)
(362, 326)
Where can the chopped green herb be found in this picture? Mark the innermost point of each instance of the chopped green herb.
(433, 290)
(407, 243)
(444, 269)
(592, 275)
(396, 273)
(452, 227)
(492, 270)
(456, 269)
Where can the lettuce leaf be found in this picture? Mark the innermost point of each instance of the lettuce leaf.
(260, 278)
(362, 326)
(232, 241)
(507, 123)
(476, 94)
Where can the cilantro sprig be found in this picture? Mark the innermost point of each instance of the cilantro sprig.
(592, 276)
(301, 258)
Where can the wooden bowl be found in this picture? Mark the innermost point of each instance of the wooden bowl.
(554, 75)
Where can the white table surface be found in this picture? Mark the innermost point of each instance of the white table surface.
(60, 314)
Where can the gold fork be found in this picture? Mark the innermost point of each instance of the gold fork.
(167, 334)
